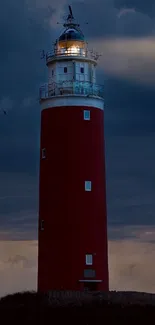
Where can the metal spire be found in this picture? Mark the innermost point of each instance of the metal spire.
(70, 16)
(70, 21)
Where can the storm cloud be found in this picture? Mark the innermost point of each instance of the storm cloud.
(123, 32)
(145, 7)
(129, 94)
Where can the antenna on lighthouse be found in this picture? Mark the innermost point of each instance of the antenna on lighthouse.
(70, 16)
(70, 20)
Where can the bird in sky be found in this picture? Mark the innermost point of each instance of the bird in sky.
(4, 111)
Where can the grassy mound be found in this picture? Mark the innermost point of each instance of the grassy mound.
(77, 308)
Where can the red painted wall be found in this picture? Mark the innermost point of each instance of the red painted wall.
(75, 221)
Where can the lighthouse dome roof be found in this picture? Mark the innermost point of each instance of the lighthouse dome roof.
(71, 34)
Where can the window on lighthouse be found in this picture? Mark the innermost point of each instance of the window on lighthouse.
(89, 259)
(42, 224)
(88, 186)
(86, 115)
(43, 153)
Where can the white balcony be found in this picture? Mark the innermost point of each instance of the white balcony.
(71, 88)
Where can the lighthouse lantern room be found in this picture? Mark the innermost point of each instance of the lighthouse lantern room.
(72, 234)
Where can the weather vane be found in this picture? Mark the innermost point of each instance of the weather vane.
(70, 16)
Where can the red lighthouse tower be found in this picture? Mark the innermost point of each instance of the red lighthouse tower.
(72, 192)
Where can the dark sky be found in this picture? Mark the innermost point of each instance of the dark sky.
(123, 31)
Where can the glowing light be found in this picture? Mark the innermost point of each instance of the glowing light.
(73, 50)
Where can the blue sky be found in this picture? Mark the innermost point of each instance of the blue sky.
(123, 32)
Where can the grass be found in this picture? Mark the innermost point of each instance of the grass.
(78, 308)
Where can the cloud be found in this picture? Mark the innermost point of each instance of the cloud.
(18, 266)
(23, 45)
(146, 7)
(130, 189)
(6, 104)
(130, 194)
(13, 197)
(131, 59)
(28, 102)
(125, 11)
(127, 63)
(19, 206)
(138, 233)
(131, 265)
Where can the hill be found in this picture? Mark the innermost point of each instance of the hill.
(80, 308)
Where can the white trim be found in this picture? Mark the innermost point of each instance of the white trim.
(52, 59)
(74, 100)
(90, 280)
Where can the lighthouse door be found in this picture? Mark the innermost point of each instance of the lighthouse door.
(90, 286)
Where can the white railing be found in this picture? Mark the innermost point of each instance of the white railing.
(70, 52)
(70, 88)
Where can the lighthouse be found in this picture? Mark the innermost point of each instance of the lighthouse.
(72, 232)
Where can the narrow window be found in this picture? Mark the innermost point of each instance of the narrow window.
(89, 259)
(42, 224)
(82, 70)
(87, 185)
(65, 69)
(86, 115)
(52, 72)
(43, 153)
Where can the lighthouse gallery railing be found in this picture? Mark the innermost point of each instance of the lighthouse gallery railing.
(65, 52)
(71, 88)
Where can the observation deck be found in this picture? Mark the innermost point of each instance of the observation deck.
(71, 88)
(71, 53)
